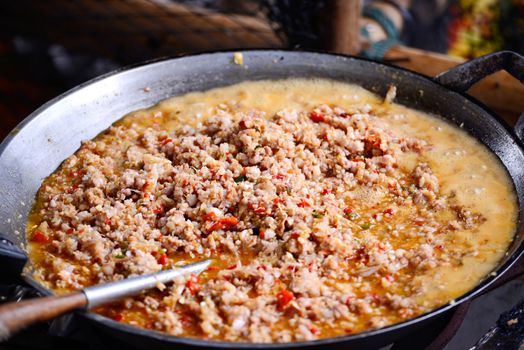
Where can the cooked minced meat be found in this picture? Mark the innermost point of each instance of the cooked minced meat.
(314, 228)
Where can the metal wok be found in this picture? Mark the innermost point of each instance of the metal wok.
(53, 132)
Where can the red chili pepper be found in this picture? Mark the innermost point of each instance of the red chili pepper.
(276, 201)
(392, 185)
(70, 231)
(262, 234)
(279, 176)
(72, 188)
(118, 317)
(158, 210)
(349, 210)
(232, 267)
(192, 284)
(213, 268)
(226, 222)
(258, 208)
(316, 117)
(227, 277)
(162, 260)
(314, 330)
(107, 221)
(210, 216)
(284, 297)
(40, 237)
(303, 204)
(327, 191)
(145, 186)
(166, 141)
(419, 222)
(295, 235)
(389, 211)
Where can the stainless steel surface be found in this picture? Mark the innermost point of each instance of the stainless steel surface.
(105, 293)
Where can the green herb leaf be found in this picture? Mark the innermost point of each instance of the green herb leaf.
(317, 215)
(240, 178)
(351, 215)
(258, 146)
(120, 256)
(365, 226)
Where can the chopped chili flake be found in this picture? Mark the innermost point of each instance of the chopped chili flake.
(349, 210)
(284, 297)
(118, 317)
(108, 221)
(145, 186)
(277, 200)
(389, 211)
(192, 284)
(232, 267)
(227, 222)
(162, 259)
(210, 216)
(70, 231)
(316, 117)
(327, 191)
(303, 204)
(166, 141)
(279, 176)
(158, 210)
(213, 268)
(258, 208)
(295, 235)
(72, 189)
(350, 213)
(314, 330)
(40, 237)
(262, 234)
(227, 277)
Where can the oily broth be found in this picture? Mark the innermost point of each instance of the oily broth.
(463, 166)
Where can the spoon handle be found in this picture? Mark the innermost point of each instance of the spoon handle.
(16, 316)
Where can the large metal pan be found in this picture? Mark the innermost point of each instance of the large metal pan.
(53, 132)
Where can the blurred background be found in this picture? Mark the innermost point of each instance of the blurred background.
(47, 47)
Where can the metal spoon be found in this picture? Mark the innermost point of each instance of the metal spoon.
(16, 316)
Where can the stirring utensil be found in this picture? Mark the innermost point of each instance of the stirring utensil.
(16, 316)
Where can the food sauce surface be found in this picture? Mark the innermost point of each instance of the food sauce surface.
(327, 210)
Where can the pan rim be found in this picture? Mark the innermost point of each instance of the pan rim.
(164, 337)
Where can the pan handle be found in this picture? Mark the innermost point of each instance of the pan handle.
(464, 76)
(12, 261)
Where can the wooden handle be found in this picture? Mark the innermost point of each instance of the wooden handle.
(16, 316)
